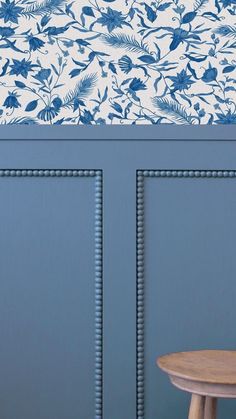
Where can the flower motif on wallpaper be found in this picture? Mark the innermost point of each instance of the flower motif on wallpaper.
(118, 62)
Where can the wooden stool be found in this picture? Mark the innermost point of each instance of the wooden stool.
(207, 375)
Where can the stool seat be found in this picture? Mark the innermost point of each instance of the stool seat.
(206, 374)
(218, 367)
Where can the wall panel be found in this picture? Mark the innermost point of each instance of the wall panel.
(51, 294)
(185, 275)
(68, 284)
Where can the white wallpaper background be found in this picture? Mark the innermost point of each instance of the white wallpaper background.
(118, 62)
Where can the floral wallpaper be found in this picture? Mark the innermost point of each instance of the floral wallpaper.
(118, 62)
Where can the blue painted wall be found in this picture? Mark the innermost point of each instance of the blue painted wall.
(84, 226)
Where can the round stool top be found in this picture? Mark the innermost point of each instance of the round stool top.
(209, 366)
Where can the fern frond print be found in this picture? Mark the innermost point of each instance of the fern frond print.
(117, 62)
(125, 42)
(81, 91)
(20, 121)
(173, 110)
(226, 30)
(42, 8)
(199, 4)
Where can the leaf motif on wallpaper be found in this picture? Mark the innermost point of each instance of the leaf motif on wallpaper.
(126, 42)
(102, 62)
(174, 110)
(88, 11)
(81, 91)
(229, 69)
(42, 8)
(226, 30)
(151, 13)
(199, 4)
(31, 106)
(189, 17)
(147, 59)
(20, 121)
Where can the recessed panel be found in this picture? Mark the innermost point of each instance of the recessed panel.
(47, 290)
(189, 279)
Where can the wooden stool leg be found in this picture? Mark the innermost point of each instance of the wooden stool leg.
(196, 410)
(210, 408)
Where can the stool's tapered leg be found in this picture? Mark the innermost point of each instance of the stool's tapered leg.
(196, 410)
(210, 408)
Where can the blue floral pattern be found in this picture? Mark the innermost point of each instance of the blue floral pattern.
(118, 62)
